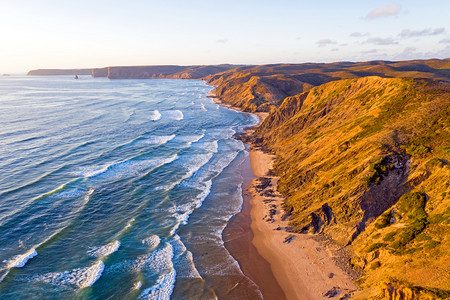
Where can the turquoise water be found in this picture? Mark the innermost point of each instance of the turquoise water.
(116, 189)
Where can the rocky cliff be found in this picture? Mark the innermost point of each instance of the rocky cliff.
(365, 163)
(263, 88)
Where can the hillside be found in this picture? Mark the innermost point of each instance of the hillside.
(365, 163)
(263, 88)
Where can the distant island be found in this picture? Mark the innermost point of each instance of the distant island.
(362, 161)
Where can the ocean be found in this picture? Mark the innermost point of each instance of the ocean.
(116, 189)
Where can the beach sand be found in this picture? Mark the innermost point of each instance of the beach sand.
(284, 265)
(302, 266)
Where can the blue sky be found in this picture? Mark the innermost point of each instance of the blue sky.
(97, 33)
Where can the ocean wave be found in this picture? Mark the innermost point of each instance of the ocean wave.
(175, 114)
(190, 138)
(104, 250)
(152, 241)
(184, 261)
(155, 116)
(182, 212)
(19, 261)
(202, 106)
(81, 277)
(158, 140)
(127, 168)
(162, 289)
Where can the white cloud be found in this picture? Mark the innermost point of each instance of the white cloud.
(325, 42)
(384, 11)
(359, 34)
(445, 41)
(381, 41)
(406, 33)
(222, 41)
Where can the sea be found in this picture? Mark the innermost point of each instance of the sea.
(117, 189)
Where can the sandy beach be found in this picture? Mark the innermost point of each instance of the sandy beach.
(302, 266)
(284, 265)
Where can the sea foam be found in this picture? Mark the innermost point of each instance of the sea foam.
(155, 116)
(104, 250)
(81, 277)
(19, 261)
(175, 114)
(159, 140)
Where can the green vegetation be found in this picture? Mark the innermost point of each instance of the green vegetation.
(376, 246)
(374, 151)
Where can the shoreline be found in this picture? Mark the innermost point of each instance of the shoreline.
(284, 265)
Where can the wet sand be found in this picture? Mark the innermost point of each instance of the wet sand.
(284, 265)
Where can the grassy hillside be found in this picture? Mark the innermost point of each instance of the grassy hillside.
(263, 88)
(365, 162)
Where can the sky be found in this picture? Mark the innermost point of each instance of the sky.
(99, 33)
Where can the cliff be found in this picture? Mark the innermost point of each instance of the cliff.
(142, 72)
(263, 88)
(49, 72)
(365, 163)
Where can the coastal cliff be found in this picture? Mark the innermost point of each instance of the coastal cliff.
(141, 72)
(50, 72)
(363, 163)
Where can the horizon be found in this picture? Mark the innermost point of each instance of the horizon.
(66, 35)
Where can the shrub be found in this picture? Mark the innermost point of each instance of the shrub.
(411, 202)
(376, 246)
(389, 237)
(383, 220)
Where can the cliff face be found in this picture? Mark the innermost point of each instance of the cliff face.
(49, 72)
(262, 88)
(141, 72)
(175, 72)
(365, 162)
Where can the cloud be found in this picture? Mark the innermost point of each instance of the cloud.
(406, 33)
(325, 42)
(381, 41)
(222, 41)
(412, 53)
(335, 49)
(384, 11)
(359, 34)
(371, 51)
(445, 41)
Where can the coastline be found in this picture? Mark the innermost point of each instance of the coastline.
(284, 265)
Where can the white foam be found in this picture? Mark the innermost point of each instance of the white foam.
(81, 277)
(162, 289)
(202, 106)
(87, 197)
(159, 261)
(19, 261)
(175, 114)
(185, 266)
(184, 211)
(190, 138)
(104, 250)
(156, 115)
(138, 285)
(158, 140)
(131, 167)
(152, 241)
(93, 273)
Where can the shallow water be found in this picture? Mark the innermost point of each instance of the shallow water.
(116, 189)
